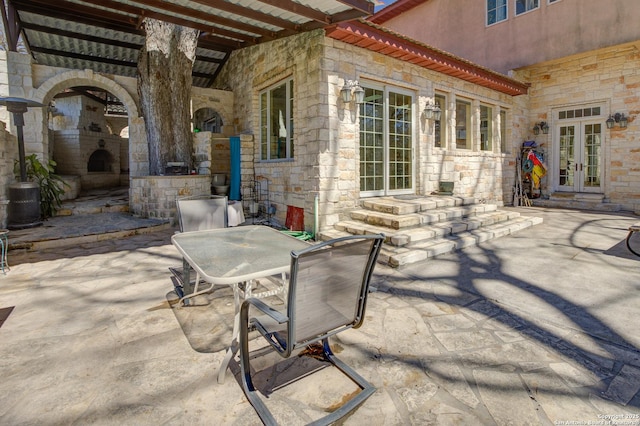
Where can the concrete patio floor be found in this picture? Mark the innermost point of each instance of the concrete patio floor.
(538, 328)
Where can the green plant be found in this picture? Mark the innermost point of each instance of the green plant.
(51, 185)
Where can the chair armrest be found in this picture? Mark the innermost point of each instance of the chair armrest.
(260, 305)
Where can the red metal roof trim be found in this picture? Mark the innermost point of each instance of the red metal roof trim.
(373, 37)
(394, 9)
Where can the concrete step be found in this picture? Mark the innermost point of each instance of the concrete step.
(399, 256)
(426, 231)
(439, 242)
(423, 217)
(407, 204)
(76, 229)
(115, 200)
(577, 204)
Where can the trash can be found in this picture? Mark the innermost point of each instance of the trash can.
(24, 205)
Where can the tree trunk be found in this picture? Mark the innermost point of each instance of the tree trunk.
(164, 86)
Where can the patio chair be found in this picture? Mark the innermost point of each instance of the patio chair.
(328, 288)
(198, 213)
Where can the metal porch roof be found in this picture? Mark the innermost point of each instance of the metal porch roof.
(105, 35)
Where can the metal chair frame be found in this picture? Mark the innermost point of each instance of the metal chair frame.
(285, 346)
(182, 277)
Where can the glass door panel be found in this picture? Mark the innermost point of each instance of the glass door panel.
(592, 156)
(566, 172)
(400, 146)
(386, 143)
(580, 157)
(371, 143)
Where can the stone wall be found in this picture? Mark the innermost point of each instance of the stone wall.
(609, 77)
(155, 196)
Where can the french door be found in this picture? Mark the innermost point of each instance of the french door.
(579, 153)
(386, 142)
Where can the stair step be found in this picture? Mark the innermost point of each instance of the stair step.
(447, 244)
(417, 228)
(420, 226)
(411, 220)
(401, 205)
(60, 231)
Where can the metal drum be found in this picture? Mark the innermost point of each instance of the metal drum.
(24, 205)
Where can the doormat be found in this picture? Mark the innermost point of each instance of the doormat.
(4, 314)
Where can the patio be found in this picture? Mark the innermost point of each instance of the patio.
(535, 328)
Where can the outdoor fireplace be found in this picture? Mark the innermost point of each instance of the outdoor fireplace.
(100, 161)
(83, 145)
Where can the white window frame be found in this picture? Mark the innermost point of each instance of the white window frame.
(266, 129)
(529, 5)
(498, 7)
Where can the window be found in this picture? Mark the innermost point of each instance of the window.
(496, 11)
(440, 125)
(523, 6)
(503, 131)
(486, 128)
(276, 122)
(463, 124)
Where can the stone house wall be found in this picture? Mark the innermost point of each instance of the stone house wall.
(326, 131)
(609, 76)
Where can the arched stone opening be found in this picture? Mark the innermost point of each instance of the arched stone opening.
(207, 120)
(80, 124)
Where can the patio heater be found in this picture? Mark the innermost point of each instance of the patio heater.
(24, 196)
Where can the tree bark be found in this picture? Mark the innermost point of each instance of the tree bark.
(164, 86)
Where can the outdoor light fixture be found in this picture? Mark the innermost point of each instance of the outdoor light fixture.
(541, 126)
(617, 118)
(352, 86)
(432, 111)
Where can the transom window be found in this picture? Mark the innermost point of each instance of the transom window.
(579, 113)
(523, 6)
(276, 122)
(496, 11)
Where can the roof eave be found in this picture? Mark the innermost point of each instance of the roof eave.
(378, 39)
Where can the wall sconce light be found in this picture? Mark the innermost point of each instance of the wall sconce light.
(358, 92)
(432, 111)
(541, 126)
(617, 118)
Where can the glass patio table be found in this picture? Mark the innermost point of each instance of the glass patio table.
(237, 257)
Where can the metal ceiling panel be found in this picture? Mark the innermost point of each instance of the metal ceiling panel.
(106, 36)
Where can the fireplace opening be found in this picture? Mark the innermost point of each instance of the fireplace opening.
(100, 161)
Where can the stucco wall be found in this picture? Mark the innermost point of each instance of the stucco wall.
(327, 131)
(552, 31)
(608, 76)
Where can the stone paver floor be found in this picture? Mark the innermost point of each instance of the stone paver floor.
(536, 328)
